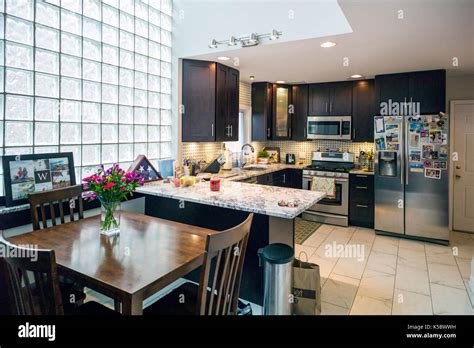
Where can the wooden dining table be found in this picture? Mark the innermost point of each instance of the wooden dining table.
(148, 254)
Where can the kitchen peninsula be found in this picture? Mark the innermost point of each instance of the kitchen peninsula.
(198, 205)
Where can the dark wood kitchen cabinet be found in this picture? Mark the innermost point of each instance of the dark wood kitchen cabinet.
(361, 200)
(271, 118)
(330, 99)
(281, 112)
(363, 110)
(425, 87)
(210, 98)
(299, 96)
(290, 177)
(429, 89)
(319, 99)
(262, 111)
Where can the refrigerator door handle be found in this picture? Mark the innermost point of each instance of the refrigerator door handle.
(407, 158)
(401, 155)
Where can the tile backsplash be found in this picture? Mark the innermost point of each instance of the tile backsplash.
(201, 151)
(209, 151)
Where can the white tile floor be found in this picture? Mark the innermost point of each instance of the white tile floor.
(394, 276)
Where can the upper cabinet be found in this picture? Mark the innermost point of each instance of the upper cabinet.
(271, 118)
(299, 96)
(363, 110)
(281, 112)
(330, 99)
(428, 88)
(210, 98)
(262, 111)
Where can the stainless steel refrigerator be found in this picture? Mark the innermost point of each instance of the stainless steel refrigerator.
(411, 176)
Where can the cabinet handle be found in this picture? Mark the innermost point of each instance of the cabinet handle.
(284, 178)
(268, 132)
(326, 107)
(289, 129)
(304, 133)
(354, 132)
(330, 107)
(361, 206)
(361, 187)
(231, 131)
(361, 176)
(212, 129)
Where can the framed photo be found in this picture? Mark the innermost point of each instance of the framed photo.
(274, 153)
(25, 174)
(144, 167)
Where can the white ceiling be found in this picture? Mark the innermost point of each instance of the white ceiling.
(430, 35)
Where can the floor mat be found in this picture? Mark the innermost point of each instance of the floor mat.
(304, 229)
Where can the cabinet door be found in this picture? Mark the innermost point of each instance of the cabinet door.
(199, 100)
(429, 89)
(392, 87)
(281, 115)
(299, 97)
(233, 104)
(261, 111)
(222, 103)
(318, 101)
(340, 103)
(363, 110)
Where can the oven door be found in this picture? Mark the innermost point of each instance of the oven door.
(337, 205)
(334, 127)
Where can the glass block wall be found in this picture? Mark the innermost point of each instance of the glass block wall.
(88, 76)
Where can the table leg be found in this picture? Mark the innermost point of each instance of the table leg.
(132, 305)
(117, 306)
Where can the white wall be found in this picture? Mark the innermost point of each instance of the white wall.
(459, 88)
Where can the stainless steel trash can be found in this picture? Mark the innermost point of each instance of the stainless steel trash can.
(277, 260)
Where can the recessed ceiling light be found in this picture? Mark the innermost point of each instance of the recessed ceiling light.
(252, 77)
(356, 76)
(223, 58)
(328, 44)
(280, 81)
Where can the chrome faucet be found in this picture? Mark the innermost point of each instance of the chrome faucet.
(243, 153)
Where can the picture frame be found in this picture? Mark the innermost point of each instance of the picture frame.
(24, 174)
(143, 166)
(274, 153)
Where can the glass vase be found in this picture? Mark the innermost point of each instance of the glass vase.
(110, 218)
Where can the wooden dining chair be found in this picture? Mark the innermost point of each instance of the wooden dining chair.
(68, 201)
(71, 196)
(227, 251)
(34, 283)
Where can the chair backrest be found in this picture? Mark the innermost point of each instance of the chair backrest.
(229, 248)
(72, 196)
(33, 280)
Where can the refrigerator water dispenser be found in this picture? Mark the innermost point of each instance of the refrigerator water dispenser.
(387, 163)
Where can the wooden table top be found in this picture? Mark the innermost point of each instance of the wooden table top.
(148, 254)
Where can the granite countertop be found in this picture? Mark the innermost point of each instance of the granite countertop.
(362, 172)
(237, 174)
(254, 198)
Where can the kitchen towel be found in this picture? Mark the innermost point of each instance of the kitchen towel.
(306, 287)
(326, 185)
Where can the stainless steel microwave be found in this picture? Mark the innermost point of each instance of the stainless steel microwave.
(329, 127)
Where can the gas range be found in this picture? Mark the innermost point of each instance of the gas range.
(330, 164)
(336, 165)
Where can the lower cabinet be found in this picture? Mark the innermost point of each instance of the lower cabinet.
(290, 177)
(361, 200)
